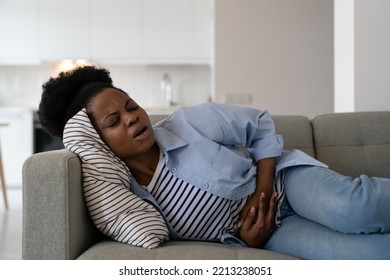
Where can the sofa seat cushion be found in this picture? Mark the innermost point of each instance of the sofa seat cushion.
(179, 250)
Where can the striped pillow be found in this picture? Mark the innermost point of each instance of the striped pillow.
(114, 209)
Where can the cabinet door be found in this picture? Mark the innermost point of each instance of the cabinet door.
(16, 141)
(115, 30)
(18, 31)
(201, 29)
(167, 29)
(64, 29)
(177, 31)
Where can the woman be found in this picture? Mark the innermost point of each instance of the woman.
(190, 169)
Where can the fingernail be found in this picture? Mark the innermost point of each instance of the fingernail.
(252, 210)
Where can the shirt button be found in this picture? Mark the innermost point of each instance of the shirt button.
(205, 185)
(174, 169)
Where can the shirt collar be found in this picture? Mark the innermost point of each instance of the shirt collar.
(166, 140)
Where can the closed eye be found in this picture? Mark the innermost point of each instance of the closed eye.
(112, 119)
(114, 122)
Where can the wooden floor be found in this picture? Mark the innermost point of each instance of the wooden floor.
(11, 226)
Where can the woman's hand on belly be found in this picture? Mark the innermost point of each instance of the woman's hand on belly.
(258, 225)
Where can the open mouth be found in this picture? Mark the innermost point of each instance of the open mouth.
(140, 132)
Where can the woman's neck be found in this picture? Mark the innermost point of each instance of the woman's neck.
(143, 167)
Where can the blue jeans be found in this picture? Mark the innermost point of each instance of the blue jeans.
(330, 216)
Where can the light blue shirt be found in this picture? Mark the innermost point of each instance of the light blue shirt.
(200, 147)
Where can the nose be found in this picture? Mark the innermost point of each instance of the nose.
(130, 119)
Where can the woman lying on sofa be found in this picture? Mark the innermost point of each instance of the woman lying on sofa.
(186, 179)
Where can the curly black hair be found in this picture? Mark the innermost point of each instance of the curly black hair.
(65, 95)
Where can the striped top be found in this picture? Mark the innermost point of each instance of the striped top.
(192, 212)
(279, 187)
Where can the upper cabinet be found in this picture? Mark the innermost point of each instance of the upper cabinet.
(117, 31)
(202, 26)
(176, 30)
(18, 31)
(63, 29)
(167, 28)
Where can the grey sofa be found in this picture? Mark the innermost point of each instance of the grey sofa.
(56, 224)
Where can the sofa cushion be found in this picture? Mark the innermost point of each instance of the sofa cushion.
(179, 250)
(354, 143)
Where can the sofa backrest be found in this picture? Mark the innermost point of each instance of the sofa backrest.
(296, 131)
(354, 143)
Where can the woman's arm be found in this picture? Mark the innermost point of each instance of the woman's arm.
(265, 178)
(257, 219)
(233, 125)
(264, 185)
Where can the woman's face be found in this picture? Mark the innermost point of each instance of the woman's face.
(121, 123)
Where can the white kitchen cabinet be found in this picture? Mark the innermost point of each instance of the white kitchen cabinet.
(64, 29)
(118, 31)
(151, 31)
(202, 29)
(16, 142)
(115, 30)
(176, 30)
(167, 28)
(18, 32)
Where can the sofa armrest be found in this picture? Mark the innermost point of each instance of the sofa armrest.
(56, 223)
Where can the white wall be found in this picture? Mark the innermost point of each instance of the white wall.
(372, 55)
(344, 56)
(275, 55)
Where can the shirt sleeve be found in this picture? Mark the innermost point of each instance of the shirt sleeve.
(230, 239)
(235, 125)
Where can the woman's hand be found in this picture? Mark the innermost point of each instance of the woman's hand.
(252, 202)
(258, 225)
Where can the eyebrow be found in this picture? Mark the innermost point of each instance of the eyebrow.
(127, 102)
(116, 113)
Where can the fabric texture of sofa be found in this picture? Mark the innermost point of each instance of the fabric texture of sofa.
(56, 223)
